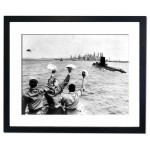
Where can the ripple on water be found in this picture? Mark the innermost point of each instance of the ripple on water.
(106, 91)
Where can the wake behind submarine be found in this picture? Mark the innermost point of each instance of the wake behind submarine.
(102, 64)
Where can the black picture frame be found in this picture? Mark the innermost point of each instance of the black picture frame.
(142, 74)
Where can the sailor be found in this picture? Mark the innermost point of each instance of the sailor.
(71, 101)
(33, 99)
(53, 92)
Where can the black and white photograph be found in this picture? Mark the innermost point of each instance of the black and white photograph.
(75, 74)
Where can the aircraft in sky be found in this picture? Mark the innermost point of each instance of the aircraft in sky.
(28, 50)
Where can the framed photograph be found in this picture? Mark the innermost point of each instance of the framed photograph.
(75, 74)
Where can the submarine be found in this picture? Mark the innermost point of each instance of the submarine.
(102, 64)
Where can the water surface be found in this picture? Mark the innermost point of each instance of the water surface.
(106, 91)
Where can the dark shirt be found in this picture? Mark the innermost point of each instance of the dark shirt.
(53, 93)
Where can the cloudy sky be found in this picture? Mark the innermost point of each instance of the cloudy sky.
(63, 46)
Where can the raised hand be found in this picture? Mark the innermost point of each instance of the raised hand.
(83, 74)
(54, 71)
(69, 69)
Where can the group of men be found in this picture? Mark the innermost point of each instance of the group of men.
(50, 99)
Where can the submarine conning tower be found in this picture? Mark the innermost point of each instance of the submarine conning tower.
(102, 60)
(104, 65)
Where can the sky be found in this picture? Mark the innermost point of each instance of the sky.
(114, 47)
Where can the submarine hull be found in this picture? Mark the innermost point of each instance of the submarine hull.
(108, 68)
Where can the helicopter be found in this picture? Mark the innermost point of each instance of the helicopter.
(29, 50)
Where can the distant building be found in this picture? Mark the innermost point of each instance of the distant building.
(87, 57)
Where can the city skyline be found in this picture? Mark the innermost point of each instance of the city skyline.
(63, 46)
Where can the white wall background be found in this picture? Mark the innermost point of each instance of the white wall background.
(73, 141)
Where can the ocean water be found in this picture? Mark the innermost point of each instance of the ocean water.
(106, 92)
